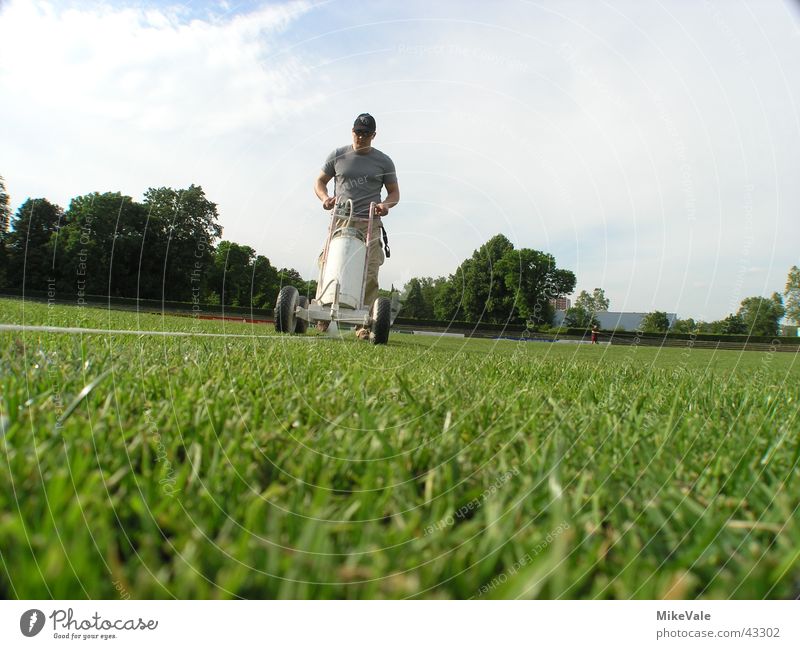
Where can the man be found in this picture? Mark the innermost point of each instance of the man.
(361, 172)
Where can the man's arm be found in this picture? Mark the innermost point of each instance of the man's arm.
(392, 199)
(321, 190)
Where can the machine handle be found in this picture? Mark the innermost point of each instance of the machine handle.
(366, 256)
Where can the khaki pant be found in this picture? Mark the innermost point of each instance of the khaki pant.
(376, 256)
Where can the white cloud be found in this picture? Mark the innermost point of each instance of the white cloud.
(129, 96)
(148, 69)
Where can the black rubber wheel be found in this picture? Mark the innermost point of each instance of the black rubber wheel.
(300, 325)
(381, 321)
(285, 321)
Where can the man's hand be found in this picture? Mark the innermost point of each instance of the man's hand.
(381, 209)
(328, 203)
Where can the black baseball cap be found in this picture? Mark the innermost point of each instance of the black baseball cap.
(364, 122)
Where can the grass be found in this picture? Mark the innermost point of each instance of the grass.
(438, 468)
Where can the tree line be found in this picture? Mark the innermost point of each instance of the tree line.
(756, 316)
(497, 284)
(164, 247)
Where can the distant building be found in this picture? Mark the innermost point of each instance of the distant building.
(790, 330)
(616, 320)
(561, 303)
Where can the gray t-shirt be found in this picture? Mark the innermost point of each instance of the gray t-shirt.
(359, 176)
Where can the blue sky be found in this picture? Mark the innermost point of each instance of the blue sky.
(652, 147)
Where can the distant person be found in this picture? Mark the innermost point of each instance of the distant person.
(361, 172)
(595, 331)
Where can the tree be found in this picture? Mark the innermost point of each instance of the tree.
(687, 326)
(792, 294)
(413, 300)
(100, 245)
(500, 284)
(266, 284)
(563, 283)
(533, 280)
(5, 210)
(761, 316)
(579, 318)
(733, 324)
(448, 301)
(594, 303)
(485, 296)
(657, 322)
(131, 269)
(430, 288)
(31, 243)
(239, 277)
(5, 221)
(183, 223)
(231, 273)
(292, 277)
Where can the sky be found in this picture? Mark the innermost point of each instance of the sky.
(652, 147)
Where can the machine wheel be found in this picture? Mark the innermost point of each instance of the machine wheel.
(300, 325)
(381, 321)
(285, 320)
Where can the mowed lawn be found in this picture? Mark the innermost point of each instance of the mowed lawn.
(263, 466)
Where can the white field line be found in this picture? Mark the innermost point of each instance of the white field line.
(139, 332)
(437, 333)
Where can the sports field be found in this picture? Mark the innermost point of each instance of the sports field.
(142, 466)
